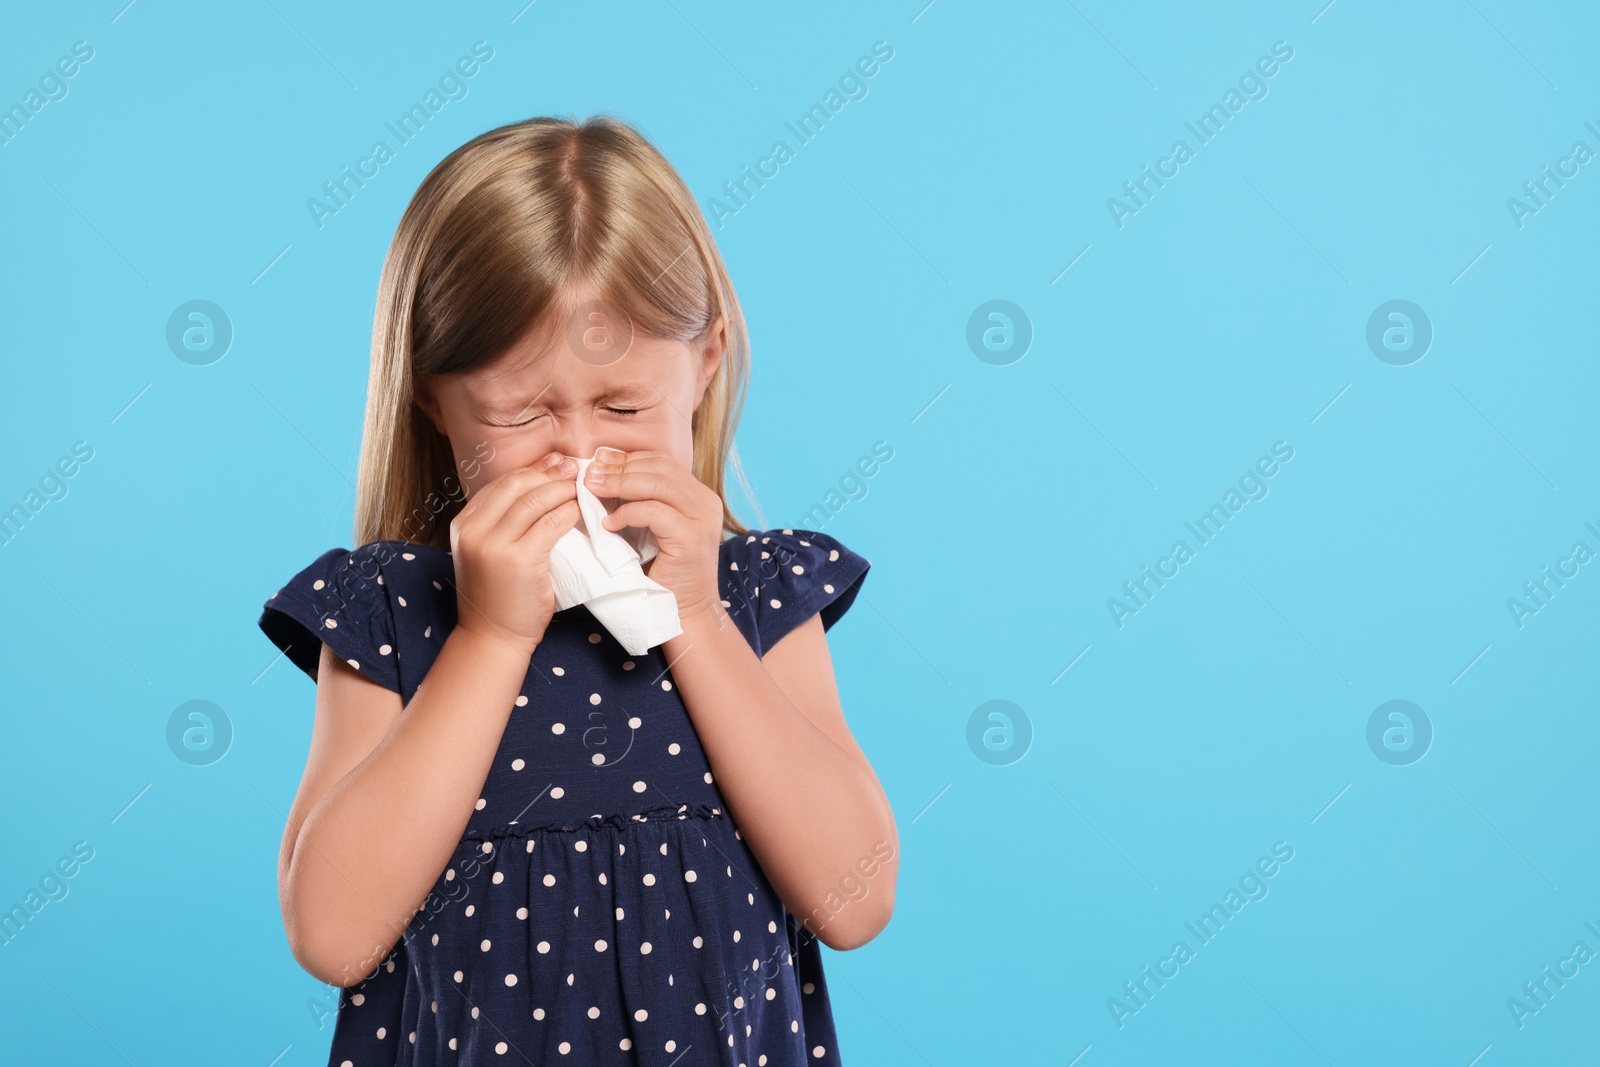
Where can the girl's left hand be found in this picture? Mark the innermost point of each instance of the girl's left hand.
(683, 513)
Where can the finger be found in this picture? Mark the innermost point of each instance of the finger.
(525, 512)
(490, 504)
(644, 475)
(664, 521)
(547, 529)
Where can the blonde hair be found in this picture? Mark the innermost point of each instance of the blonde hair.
(492, 247)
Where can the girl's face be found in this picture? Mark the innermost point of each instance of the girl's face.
(531, 402)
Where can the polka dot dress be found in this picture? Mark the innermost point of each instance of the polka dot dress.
(601, 906)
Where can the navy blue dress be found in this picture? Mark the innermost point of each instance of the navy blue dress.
(601, 906)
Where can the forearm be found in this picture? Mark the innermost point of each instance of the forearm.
(811, 810)
(369, 852)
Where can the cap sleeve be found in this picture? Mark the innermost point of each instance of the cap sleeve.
(340, 601)
(774, 580)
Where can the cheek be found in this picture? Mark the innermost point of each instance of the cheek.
(497, 455)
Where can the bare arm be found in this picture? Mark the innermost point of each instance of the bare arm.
(387, 790)
(803, 793)
(386, 795)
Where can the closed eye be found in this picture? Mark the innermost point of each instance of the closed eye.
(623, 412)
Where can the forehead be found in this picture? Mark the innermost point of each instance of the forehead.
(554, 375)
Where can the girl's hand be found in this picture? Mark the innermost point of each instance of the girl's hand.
(501, 542)
(683, 513)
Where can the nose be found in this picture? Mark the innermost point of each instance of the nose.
(585, 449)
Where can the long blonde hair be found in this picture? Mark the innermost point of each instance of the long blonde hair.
(496, 238)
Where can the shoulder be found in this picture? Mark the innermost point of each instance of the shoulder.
(773, 580)
(365, 603)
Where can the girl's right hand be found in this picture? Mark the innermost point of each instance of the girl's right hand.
(501, 542)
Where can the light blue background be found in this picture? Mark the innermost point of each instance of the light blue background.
(1228, 314)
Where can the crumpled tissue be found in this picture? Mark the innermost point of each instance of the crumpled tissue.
(603, 570)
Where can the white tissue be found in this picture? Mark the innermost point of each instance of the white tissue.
(603, 570)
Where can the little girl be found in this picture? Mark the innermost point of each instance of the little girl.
(513, 838)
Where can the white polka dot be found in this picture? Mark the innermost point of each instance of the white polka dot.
(594, 698)
(644, 949)
(499, 876)
(452, 1044)
(543, 946)
(359, 999)
(500, 1048)
(485, 945)
(827, 588)
(482, 803)
(511, 979)
(384, 650)
(666, 684)
(459, 976)
(641, 1015)
(538, 1013)
(798, 569)
(598, 758)
(635, 722)
(557, 671)
(700, 1009)
(639, 787)
(626, 1044)
(698, 941)
(558, 728)
(518, 764)
(674, 748)
(670, 1045)
(649, 879)
(522, 701)
(627, 664)
(708, 777)
(775, 602)
(549, 879)
(600, 945)
(689, 876)
(407, 555)
(522, 913)
(450, 875)
(354, 664)
(819, 1052)
(581, 846)
(557, 793)
(594, 1012)
(564, 1048)
(619, 913)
